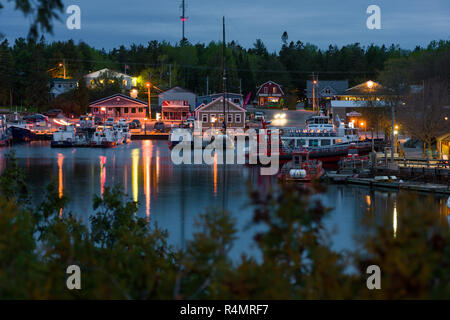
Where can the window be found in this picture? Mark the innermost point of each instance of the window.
(95, 109)
(133, 110)
(274, 90)
(229, 118)
(266, 90)
(213, 118)
(221, 118)
(237, 100)
(141, 110)
(59, 86)
(314, 143)
(125, 110)
(204, 117)
(325, 142)
(238, 118)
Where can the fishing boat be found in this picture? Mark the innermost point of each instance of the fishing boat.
(5, 133)
(301, 168)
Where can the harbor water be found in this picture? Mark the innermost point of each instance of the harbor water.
(173, 196)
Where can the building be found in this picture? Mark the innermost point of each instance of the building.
(101, 75)
(236, 98)
(178, 94)
(212, 115)
(325, 90)
(443, 146)
(59, 86)
(358, 97)
(119, 106)
(270, 94)
(175, 110)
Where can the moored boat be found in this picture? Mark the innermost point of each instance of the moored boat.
(301, 168)
(107, 138)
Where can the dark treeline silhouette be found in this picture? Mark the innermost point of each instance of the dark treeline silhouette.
(27, 65)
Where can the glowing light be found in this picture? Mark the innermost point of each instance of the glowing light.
(370, 84)
(362, 124)
(103, 109)
(134, 173)
(147, 84)
(215, 173)
(368, 201)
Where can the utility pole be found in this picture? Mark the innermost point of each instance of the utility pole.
(314, 91)
(224, 79)
(240, 86)
(183, 19)
(207, 85)
(64, 67)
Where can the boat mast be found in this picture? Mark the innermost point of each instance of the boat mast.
(224, 79)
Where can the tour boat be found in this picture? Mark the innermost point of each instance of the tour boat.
(301, 168)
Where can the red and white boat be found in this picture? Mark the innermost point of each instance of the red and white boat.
(301, 168)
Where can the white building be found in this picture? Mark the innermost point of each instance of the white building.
(59, 86)
(107, 73)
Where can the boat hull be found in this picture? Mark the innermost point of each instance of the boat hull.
(22, 134)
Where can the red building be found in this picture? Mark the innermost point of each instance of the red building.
(175, 110)
(270, 94)
(119, 106)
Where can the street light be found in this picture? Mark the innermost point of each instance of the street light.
(148, 85)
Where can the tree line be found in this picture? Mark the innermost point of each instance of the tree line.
(27, 65)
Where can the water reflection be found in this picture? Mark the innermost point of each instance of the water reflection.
(147, 147)
(134, 177)
(394, 219)
(102, 174)
(60, 179)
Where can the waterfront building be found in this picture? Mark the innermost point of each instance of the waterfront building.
(443, 146)
(212, 115)
(59, 86)
(325, 90)
(363, 95)
(236, 98)
(270, 94)
(175, 110)
(178, 94)
(126, 81)
(119, 106)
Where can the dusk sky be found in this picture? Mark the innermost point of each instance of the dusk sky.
(107, 24)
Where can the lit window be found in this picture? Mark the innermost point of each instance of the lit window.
(212, 117)
(221, 118)
(274, 90)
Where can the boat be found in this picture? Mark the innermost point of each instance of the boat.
(5, 133)
(301, 168)
(107, 138)
(20, 130)
(353, 159)
(123, 134)
(218, 140)
(65, 137)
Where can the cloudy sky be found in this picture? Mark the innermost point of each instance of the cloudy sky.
(110, 23)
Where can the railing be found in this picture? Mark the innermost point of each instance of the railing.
(415, 162)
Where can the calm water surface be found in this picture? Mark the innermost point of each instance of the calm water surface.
(173, 196)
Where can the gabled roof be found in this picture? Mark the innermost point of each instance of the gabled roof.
(336, 86)
(199, 108)
(269, 82)
(177, 89)
(115, 96)
(98, 73)
(363, 89)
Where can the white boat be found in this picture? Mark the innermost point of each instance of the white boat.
(123, 133)
(65, 137)
(106, 138)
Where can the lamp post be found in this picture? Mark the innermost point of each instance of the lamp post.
(63, 64)
(148, 85)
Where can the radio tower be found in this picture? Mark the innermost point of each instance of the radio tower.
(183, 19)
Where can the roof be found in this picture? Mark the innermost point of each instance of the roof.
(199, 108)
(63, 80)
(98, 73)
(177, 89)
(269, 82)
(116, 96)
(364, 90)
(336, 87)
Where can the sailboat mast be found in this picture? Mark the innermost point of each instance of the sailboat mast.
(224, 79)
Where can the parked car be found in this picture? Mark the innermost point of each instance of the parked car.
(122, 122)
(135, 124)
(35, 118)
(259, 115)
(159, 126)
(53, 113)
(190, 121)
(109, 122)
(98, 121)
